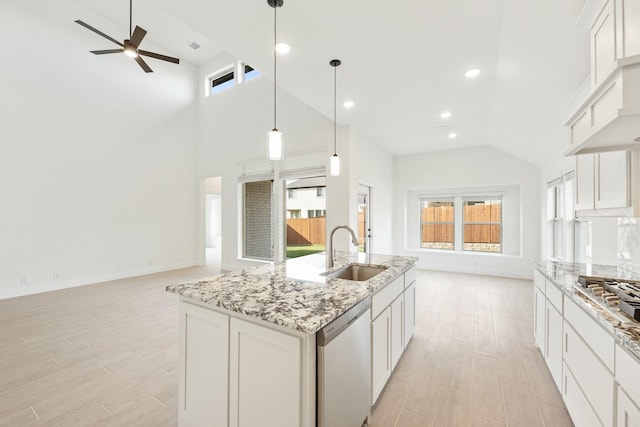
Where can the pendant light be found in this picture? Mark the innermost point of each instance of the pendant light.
(334, 160)
(274, 137)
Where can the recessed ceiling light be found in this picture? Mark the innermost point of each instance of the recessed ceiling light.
(283, 48)
(473, 73)
(445, 114)
(452, 135)
(349, 104)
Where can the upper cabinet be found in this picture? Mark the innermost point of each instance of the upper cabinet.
(608, 184)
(609, 118)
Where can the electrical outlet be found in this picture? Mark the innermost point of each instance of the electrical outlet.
(56, 276)
(23, 280)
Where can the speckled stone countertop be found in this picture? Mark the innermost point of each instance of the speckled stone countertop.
(293, 294)
(565, 276)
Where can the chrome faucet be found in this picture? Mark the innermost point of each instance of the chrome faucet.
(354, 240)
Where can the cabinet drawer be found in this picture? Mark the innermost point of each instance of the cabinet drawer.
(539, 280)
(554, 295)
(409, 277)
(628, 411)
(577, 404)
(591, 375)
(628, 372)
(385, 296)
(599, 340)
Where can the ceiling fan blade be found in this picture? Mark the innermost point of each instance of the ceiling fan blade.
(103, 52)
(89, 27)
(137, 36)
(158, 56)
(143, 64)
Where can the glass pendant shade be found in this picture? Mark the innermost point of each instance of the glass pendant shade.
(274, 138)
(334, 165)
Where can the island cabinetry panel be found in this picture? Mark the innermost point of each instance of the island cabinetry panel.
(601, 343)
(409, 313)
(397, 330)
(548, 324)
(628, 374)
(264, 376)
(553, 351)
(380, 352)
(204, 361)
(539, 318)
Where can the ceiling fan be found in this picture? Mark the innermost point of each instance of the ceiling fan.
(130, 46)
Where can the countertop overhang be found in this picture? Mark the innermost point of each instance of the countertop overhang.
(294, 294)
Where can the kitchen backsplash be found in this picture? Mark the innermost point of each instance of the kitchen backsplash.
(594, 242)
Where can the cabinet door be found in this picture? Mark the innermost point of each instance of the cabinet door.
(409, 312)
(612, 180)
(539, 318)
(259, 358)
(628, 412)
(397, 329)
(585, 181)
(204, 361)
(553, 354)
(380, 352)
(581, 412)
(603, 45)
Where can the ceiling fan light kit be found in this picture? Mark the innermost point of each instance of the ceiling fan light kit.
(130, 46)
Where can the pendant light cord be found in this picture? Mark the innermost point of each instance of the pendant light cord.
(335, 91)
(275, 68)
(130, 18)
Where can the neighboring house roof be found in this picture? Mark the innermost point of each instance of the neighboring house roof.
(307, 183)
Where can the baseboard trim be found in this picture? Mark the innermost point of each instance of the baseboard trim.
(84, 281)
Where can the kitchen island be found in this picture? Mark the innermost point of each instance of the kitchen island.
(248, 338)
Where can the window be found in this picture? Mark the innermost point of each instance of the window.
(250, 73)
(316, 213)
(560, 217)
(294, 213)
(321, 192)
(229, 76)
(437, 224)
(482, 225)
(258, 223)
(222, 82)
(292, 193)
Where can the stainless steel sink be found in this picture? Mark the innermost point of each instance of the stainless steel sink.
(357, 272)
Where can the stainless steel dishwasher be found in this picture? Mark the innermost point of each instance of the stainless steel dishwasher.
(344, 369)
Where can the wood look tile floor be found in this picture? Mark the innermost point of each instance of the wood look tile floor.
(107, 355)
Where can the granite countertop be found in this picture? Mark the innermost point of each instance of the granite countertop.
(293, 294)
(565, 275)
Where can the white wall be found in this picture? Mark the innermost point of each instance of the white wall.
(477, 167)
(97, 160)
(372, 166)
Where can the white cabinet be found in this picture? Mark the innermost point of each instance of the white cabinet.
(259, 358)
(203, 379)
(612, 180)
(397, 329)
(608, 117)
(409, 312)
(581, 412)
(628, 411)
(229, 366)
(539, 318)
(553, 351)
(380, 352)
(585, 181)
(604, 181)
(393, 314)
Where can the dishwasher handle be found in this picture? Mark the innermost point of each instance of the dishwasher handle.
(335, 328)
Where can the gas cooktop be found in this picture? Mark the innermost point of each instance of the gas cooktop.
(621, 293)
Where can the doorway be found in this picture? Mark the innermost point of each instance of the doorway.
(364, 218)
(213, 221)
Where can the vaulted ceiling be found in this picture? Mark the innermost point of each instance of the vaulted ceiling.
(403, 61)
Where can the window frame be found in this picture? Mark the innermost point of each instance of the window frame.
(464, 200)
(422, 223)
